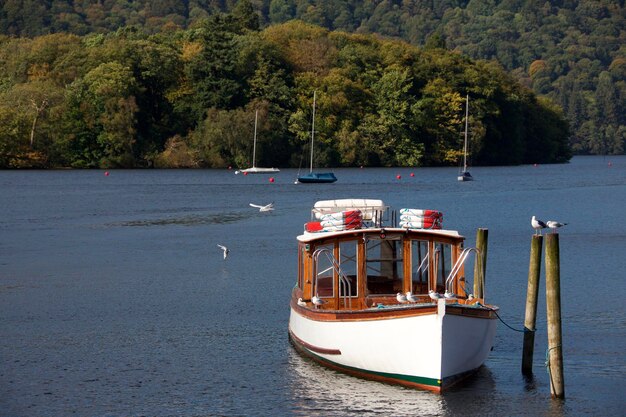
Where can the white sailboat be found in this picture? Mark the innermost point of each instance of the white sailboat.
(315, 177)
(465, 174)
(254, 169)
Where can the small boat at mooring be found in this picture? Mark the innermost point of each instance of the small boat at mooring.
(315, 177)
(255, 169)
(465, 174)
(390, 303)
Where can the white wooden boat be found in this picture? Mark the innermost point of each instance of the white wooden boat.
(254, 169)
(388, 303)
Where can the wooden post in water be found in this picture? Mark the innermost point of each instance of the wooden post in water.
(532, 293)
(553, 302)
(480, 267)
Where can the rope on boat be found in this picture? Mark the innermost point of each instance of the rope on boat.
(498, 316)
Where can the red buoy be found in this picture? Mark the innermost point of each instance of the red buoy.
(412, 174)
(398, 176)
(271, 179)
(106, 173)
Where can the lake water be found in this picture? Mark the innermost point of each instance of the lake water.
(115, 300)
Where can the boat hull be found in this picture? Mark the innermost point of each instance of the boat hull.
(257, 170)
(317, 177)
(424, 348)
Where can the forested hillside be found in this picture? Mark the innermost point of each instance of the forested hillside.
(570, 51)
(187, 97)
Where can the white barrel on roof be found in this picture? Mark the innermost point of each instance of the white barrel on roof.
(368, 207)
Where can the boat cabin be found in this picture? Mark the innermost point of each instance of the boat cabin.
(372, 266)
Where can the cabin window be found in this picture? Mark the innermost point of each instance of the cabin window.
(443, 260)
(419, 266)
(384, 265)
(324, 271)
(348, 264)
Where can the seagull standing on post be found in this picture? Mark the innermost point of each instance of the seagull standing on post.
(554, 225)
(537, 225)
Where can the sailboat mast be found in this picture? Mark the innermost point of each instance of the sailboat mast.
(312, 132)
(256, 116)
(465, 144)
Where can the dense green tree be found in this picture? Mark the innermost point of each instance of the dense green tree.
(188, 98)
(104, 102)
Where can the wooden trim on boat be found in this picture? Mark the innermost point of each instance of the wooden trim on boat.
(457, 310)
(390, 312)
(386, 313)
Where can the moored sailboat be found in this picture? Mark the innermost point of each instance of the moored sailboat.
(315, 177)
(254, 169)
(465, 174)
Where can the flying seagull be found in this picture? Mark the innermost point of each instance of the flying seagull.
(537, 225)
(267, 207)
(225, 249)
(554, 225)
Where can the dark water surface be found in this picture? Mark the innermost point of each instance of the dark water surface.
(115, 300)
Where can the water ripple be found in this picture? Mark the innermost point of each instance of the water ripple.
(188, 220)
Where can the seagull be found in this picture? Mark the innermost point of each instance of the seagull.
(225, 249)
(449, 295)
(410, 297)
(537, 225)
(267, 207)
(554, 225)
(301, 303)
(401, 297)
(317, 301)
(434, 295)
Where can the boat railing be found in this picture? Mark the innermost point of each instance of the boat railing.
(345, 289)
(458, 265)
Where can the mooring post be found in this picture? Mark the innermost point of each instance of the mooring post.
(532, 293)
(480, 267)
(553, 302)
